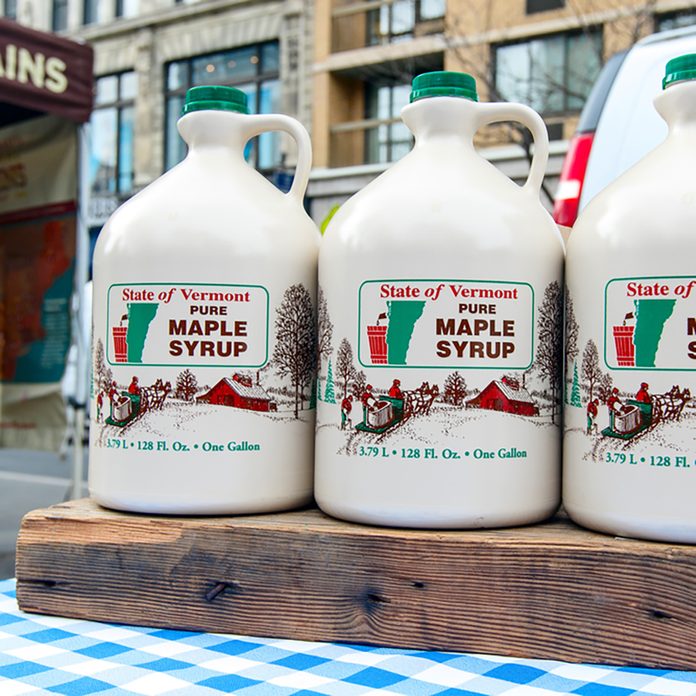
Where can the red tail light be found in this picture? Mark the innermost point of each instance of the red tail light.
(565, 208)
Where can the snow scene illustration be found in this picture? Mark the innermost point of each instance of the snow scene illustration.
(357, 410)
(610, 410)
(282, 390)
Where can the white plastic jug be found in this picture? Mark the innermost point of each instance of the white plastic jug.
(440, 331)
(203, 336)
(630, 427)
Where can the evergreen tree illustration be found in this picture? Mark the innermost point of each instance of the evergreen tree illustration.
(575, 389)
(329, 393)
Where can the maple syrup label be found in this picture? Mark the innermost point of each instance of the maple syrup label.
(628, 381)
(383, 393)
(198, 360)
(650, 323)
(192, 325)
(467, 324)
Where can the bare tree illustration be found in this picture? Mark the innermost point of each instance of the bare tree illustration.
(295, 351)
(571, 331)
(186, 385)
(359, 384)
(324, 328)
(591, 372)
(345, 370)
(324, 337)
(455, 389)
(571, 337)
(604, 386)
(103, 376)
(549, 351)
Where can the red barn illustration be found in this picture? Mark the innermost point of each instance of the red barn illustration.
(505, 395)
(239, 392)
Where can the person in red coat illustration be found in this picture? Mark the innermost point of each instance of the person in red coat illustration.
(114, 397)
(100, 405)
(614, 402)
(134, 387)
(368, 400)
(592, 415)
(643, 395)
(346, 408)
(395, 390)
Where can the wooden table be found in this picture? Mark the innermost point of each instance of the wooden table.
(547, 591)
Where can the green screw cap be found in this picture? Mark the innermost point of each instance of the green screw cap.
(680, 69)
(443, 83)
(215, 98)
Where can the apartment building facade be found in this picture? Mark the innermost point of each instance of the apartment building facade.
(544, 53)
(342, 67)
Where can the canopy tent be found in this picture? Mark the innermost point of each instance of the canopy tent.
(43, 73)
(45, 94)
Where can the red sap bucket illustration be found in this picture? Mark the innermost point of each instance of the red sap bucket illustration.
(625, 350)
(120, 344)
(377, 336)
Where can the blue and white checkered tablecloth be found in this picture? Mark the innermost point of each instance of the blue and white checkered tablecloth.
(52, 655)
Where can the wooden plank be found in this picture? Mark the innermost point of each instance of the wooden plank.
(547, 591)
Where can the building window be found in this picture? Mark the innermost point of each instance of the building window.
(253, 69)
(390, 140)
(127, 8)
(552, 74)
(399, 20)
(675, 20)
(11, 9)
(111, 169)
(59, 19)
(543, 5)
(93, 11)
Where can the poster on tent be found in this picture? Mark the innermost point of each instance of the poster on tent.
(38, 184)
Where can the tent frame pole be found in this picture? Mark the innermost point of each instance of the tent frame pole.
(81, 322)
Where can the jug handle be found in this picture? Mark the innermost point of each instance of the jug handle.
(262, 123)
(502, 111)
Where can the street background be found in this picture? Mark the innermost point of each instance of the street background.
(28, 480)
